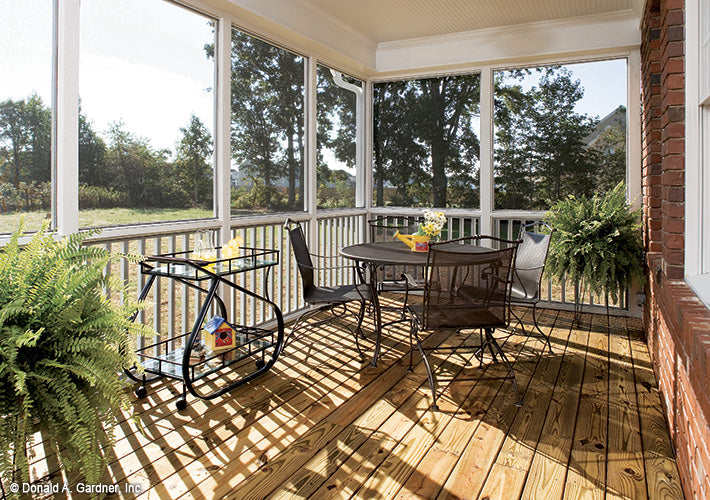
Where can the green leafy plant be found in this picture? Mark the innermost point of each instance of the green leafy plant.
(597, 242)
(63, 343)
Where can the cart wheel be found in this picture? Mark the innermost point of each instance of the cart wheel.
(260, 364)
(141, 392)
(181, 404)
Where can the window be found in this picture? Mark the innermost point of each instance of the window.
(267, 135)
(697, 148)
(426, 142)
(558, 131)
(25, 113)
(146, 113)
(337, 108)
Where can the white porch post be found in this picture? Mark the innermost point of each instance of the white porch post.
(65, 132)
(222, 155)
(633, 138)
(311, 163)
(366, 145)
(486, 156)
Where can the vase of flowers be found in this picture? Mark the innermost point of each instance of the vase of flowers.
(433, 224)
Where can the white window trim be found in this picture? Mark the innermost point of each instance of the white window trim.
(697, 158)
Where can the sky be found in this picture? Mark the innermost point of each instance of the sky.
(151, 74)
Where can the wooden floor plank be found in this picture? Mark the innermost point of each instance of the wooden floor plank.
(659, 459)
(548, 470)
(626, 475)
(508, 473)
(331, 426)
(587, 468)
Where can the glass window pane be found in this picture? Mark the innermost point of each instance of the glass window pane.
(426, 142)
(559, 131)
(25, 113)
(147, 113)
(337, 132)
(267, 127)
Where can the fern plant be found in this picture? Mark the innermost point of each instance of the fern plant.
(597, 243)
(63, 343)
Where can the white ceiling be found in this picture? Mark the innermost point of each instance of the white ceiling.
(393, 20)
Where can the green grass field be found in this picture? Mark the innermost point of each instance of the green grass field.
(106, 217)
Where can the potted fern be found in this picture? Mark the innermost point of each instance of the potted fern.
(597, 244)
(63, 343)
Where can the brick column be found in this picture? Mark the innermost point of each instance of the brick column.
(673, 137)
(651, 168)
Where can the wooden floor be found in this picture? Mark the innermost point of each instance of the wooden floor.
(324, 424)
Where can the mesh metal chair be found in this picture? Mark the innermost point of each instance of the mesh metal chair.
(322, 298)
(402, 281)
(528, 271)
(466, 288)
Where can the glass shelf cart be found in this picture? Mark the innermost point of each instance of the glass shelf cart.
(176, 357)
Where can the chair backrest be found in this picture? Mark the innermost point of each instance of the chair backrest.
(468, 286)
(530, 263)
(384, 227)
(302, 255)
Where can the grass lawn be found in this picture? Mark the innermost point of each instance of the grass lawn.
(106, 217)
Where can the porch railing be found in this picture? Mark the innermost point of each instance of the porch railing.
(174, 305)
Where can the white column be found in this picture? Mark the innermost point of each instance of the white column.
(223, 101)
(310, 177)
(633, 131)
(65, 132)
(486, 159)
(368, 117)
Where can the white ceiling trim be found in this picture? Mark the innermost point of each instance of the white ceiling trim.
(583, 35)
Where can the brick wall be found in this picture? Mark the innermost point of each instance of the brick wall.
(677, 322)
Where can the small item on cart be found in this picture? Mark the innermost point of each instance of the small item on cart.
(197, 353)
(220, 335)
(231, 249)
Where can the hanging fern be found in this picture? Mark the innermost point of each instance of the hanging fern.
(597, 242)
(63, 343)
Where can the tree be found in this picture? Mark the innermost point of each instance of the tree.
(193, 166)
(267, 114)
(431, 118)
(541, 154)
(25, 139)
(92, 151)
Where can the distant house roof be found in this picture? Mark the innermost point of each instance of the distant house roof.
(616, 118)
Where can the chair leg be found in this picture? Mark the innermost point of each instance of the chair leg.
(520, 321)
(360, 317)
(537, 327)
(493, 342)
(411, 345)
(429, 374)
(298, 325)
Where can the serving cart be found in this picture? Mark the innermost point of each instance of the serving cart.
(254, 349)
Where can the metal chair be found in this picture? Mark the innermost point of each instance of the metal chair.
(528, 271)
(466, 288)
(323, 298)
(383, 228)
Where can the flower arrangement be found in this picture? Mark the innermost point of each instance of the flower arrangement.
(433, 224)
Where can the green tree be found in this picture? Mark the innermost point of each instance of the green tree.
(433, 118)
(92, 151)
(25, 140)
(541, 154)
(193, 165)
(267, 115)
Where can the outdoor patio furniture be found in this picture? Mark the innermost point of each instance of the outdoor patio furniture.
(324, 298)
(528, 270)
(467, 287)
(396, 279)
(376, 257)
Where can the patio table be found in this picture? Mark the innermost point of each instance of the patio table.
(381, 254)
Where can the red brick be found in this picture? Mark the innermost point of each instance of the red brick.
(673, 146)
(673, 98)
(675, 226)
(673, 178)
(673, 241)
(674, 162)
(674, 131)
(674, 17)
(675, 81)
